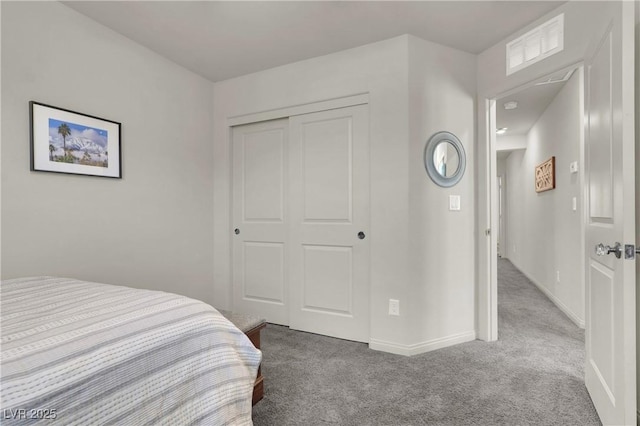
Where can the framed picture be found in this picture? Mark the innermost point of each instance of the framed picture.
(545, 178)
(64, 141)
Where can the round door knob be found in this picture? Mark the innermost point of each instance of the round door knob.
(237, 231)
(602, 250)
(361, 235)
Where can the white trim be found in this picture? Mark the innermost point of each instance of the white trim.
(419, 348)
(346, 101)
(493, 218)
(573, 317)
(582, 185)
(487, 297)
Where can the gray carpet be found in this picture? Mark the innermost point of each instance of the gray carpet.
(532, 376)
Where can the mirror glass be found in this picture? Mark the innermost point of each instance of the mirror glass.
(446, 159)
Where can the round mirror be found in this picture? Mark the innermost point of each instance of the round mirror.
(444, 159)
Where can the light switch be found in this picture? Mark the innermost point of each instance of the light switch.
(454, 202)
(573, 167)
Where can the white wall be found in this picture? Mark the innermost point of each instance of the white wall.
(442, 288)
(153, 228)
(379, 69)
(510, 142)
(501, 170)
(544, 234)
(501, 166)
(397, 175)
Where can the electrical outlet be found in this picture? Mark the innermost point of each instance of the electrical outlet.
(394, 307)
(558, 277)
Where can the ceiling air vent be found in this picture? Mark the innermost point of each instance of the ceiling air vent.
(536, 45)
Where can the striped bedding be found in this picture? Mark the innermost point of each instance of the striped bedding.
(81, 353)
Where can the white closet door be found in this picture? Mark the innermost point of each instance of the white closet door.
(260, 220)
(329, 207)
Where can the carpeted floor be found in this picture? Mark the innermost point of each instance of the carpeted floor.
(533, 375)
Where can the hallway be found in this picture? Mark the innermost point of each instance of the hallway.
(532, 329)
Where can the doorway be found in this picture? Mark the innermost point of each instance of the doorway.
(541, 231)
(610, 341)
(609, 206)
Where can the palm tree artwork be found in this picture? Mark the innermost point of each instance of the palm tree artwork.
(86, 144)
(65, 131)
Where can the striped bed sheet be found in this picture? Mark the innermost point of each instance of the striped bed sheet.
(82, 353)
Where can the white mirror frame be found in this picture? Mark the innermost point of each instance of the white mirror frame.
(430, 167)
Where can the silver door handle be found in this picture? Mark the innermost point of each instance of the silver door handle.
(601, 250)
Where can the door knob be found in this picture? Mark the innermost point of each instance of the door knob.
(601, 250)
(361, 235)
(237, 231)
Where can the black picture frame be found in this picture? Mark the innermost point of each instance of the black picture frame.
(71, 142)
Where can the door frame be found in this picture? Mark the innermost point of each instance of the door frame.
(487, 172)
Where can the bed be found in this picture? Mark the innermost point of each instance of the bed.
(79, 353)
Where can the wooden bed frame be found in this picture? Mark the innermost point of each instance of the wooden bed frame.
(254, 336)
(251, 326)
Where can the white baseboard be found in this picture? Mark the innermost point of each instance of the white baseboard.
(419, 348)
(573, 317)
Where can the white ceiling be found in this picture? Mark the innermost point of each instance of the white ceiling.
(502, 155)
(532, 102)
(221, 40)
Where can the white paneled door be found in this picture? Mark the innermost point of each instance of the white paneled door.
(260, 220)
(610, 371)
(329, 213)
(301, 221)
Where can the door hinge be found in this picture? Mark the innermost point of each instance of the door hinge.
(487, 231)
